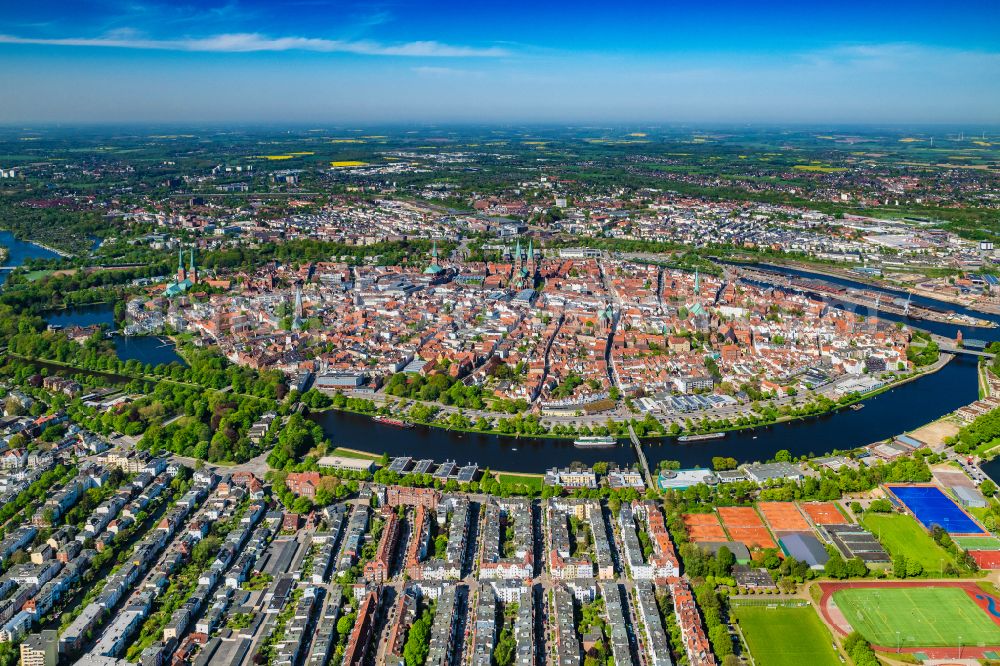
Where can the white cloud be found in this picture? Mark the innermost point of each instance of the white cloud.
(251, 42)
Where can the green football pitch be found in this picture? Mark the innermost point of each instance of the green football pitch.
(786, 636)
(917, 616)
(977, 543)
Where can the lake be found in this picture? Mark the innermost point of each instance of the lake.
(143, 348)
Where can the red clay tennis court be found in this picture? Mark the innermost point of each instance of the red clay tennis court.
(824, 513)
(704, 527)
(784, 517)
(744, 525)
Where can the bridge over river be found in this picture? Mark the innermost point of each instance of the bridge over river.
(948, 345)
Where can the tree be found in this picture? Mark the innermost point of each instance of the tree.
(856, 568)
(899, 566)
(835, 567)
(720, 639)
(440, 546)
(345, 624)
(504, 652)
(880, 505)
(860, 650)
(726, 560)
(205, 550)
(721, 463)
(988, 488)
(418, 640)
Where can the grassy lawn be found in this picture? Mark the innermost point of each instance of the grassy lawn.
(984, 450)
(529, 480)
(34, 276)
(902, 535)
(360, 455)
(786, 636)
(922, 616)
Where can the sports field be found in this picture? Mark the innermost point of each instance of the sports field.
(703, 527)
(933, 507)
(978, 543)
(743, 524)
(917, 616)
(902, 535)
(786, 636)
(783, 517)
(824, 513)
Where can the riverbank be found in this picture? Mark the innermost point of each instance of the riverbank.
(848, 274)
(62, 253)
(622, 442)
(54, 250)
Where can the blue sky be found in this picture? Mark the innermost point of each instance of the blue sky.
(624, 61)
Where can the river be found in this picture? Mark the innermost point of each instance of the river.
(20, 251)
(521, 454)
(992, 469)
(897, 410)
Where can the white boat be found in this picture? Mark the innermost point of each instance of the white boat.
(594, 442)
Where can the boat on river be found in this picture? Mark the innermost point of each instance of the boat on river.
(701, 438)
(594, 442)
(388, 420)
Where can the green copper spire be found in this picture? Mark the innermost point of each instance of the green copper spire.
(434, 250)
